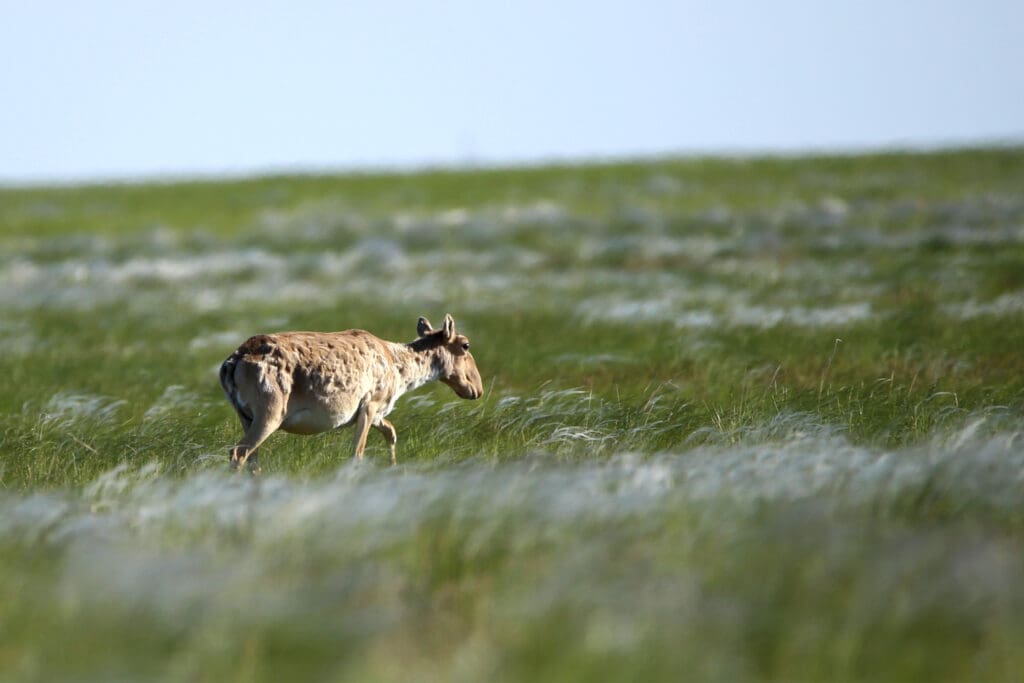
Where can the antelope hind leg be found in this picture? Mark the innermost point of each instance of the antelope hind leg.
(256, 432)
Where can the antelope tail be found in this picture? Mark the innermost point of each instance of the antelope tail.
(227, 381)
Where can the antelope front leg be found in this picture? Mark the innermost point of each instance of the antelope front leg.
(390, 435)
(367, 411)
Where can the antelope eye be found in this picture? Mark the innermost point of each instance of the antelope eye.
(465, 346)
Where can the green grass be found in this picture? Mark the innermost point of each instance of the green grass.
(745, 419)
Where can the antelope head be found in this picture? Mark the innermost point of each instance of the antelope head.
(454, 361)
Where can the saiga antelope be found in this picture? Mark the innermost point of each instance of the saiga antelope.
(312, 382)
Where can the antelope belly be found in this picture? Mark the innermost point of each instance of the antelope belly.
(308, 421)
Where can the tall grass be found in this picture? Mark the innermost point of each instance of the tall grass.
(789, 553)
(748, 419)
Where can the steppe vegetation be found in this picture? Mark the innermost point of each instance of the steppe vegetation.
(745, 419)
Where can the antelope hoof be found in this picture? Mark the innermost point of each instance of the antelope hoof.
(237, 459)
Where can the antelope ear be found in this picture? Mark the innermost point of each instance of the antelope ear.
(423, 327)
(449, 327)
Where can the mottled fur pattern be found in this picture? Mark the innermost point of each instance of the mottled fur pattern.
(312, 382)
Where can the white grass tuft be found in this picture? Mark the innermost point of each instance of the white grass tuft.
(1009, 303)
(65, 408)
(175, 398)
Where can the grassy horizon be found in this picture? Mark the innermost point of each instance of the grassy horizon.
(745, 419)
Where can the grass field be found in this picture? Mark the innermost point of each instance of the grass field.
(745, 419)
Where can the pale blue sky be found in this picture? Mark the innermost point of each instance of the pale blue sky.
(136, 89)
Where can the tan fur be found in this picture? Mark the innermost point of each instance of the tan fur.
(312, 382)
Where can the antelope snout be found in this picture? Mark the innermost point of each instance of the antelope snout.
(467, 390)
(470, 393)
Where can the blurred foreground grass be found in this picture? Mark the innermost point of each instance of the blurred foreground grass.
(746, 419)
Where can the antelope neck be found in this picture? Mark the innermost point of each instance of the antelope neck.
(416, 368)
